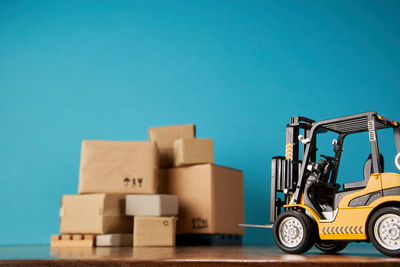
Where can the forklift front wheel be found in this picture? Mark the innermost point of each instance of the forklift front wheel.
(293, 232)
(384, 231)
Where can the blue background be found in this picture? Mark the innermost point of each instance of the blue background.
(73, 70)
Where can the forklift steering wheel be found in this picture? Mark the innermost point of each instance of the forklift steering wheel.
(330, 161)
(397, 161)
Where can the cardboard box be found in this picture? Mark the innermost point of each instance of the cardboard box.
(211, 198)
(154, 231)
(114, 240)
(190, 151)
(94, 214)
(165, 136)
(151, 205)
(118, 167)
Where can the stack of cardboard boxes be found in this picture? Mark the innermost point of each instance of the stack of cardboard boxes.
(118, 180)
(211, 200)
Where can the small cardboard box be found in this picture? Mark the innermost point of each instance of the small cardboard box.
(154, 231)
(118, 167)
(165, 136)
(151, 205)
(114, 240)
(94, 214)
(211, 198)
(190, 151)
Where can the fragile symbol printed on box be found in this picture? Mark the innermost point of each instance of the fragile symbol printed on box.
(127, 181)
(198, 223)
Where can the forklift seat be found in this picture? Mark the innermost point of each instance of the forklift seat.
(367, 174)
(351, 187)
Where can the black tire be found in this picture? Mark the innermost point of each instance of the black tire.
(384, 231)
(330, 246)
(293, 232)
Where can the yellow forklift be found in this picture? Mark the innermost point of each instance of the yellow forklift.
(309, 208)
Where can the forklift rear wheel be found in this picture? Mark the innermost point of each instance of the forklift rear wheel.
(293, 232)
(330, 246)
(384, 231)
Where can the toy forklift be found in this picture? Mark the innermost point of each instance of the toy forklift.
(309, 208)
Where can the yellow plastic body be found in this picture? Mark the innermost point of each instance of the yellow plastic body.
(351, 223)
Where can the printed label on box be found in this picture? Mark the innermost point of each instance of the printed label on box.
(133, 181)
(199, 223)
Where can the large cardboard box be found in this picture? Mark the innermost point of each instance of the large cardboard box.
(118, 167)
(94, 214)
(151, 205)
(154, 231)
(165, 136)
(190, 151)
(211, 198)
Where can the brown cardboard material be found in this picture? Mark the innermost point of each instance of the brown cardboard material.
(94, 214)
(190, 151)
(118, 167)
(165, 136)
(154, 231)
(211, 198)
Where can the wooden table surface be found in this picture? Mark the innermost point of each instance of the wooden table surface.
(353, 255)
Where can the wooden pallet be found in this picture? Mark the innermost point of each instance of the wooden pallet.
(58, 241)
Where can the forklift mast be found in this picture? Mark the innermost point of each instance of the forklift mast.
(285, 170)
